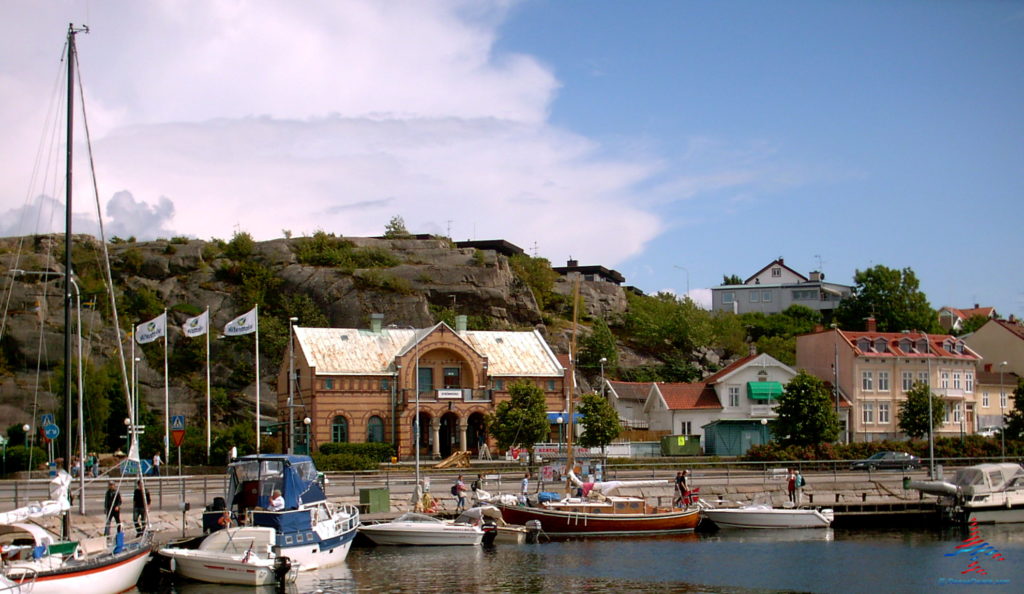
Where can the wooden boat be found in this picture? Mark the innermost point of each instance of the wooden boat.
(34, 559)
(767, 517)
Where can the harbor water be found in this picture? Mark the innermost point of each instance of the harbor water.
(833, 560)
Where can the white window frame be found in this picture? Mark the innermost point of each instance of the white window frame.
(728, 296)
(755, 296)
(776, 272)
(867, 381)
(984, 399)
(883, 381)
(922, 376)
(766, 296)
(957, 414)
(907, 379)
(883, 413)
(685, 427)
(969, 382)
(867, 412)
(734, 396)
(1002, 398)
(944, 379)
(957, 383)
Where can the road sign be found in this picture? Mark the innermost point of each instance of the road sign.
(178, 436)
(46, 419)
(51, 431)
(178, 422)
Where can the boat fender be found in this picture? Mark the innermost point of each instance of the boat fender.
(282, 565)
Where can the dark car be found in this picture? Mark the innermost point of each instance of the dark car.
(899, 460)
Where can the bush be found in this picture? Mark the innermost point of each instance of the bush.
(378, 452)
(17, 458)
(333, 462)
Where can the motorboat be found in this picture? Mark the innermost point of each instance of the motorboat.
(768, 517)
(983, 493)
(496, 529)
(413, 528)
(310, 531)
(245, 556)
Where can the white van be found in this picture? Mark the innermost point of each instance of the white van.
(990, 431)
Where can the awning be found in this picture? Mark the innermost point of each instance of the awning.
(553, 417)
(764, 390)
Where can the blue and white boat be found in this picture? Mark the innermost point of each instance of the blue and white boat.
(310, 531)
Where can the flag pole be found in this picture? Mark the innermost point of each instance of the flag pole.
(167, 399)
(257, 310)
(207, 384)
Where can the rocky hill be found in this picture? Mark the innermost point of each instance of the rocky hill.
(323, 280)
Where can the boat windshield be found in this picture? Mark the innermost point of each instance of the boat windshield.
(415, 517)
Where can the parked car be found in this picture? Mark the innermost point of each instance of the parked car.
(899, 460)
(991, 431)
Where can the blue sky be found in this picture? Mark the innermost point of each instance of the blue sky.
(711, 136)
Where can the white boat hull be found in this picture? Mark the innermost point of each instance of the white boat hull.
(216, 568)
(392, 533)
(84, 577)
(767, 518)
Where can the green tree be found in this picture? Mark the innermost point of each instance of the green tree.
(600, 421)
(893, 297)
(522, 419)
(913, 412)
(395, 229)
(665, 325)
(728, 333)
(538, 276)
(600, 343)
(971, 324)
(1015, 417)
(731, 279)
(806, 413)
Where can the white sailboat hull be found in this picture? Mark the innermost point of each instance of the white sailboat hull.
(85, 577)
(223, 568)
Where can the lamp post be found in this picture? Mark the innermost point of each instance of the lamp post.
(309, 449)
(764, 431)
(931, 416)
(1002, 406)
(687, 296)
(560, 419)
(603, 361)
(291, 386)
(28, 440)
(416, 419)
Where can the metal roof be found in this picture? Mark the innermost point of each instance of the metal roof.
(351, 351)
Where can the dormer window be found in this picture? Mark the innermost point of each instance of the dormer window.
(948, 345)
(906, 345)
(880, 345)
(960, 347)
(864, 345)
(922, 345)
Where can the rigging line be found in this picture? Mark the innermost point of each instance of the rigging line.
(108, 280)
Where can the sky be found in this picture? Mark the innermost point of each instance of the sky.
(674, 141)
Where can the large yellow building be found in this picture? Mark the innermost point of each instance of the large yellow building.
(874, 371)
(358, 385)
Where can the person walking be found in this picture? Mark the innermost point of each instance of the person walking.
(680, 488)
(156, 464)
(459, 491)
(140, 508)
(791, 486)
(111, 508)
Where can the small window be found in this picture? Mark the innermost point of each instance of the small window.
(375, 430)
(906, 345)
(883, 383)
(883, 413)
(766, 296)
(868, 413)
(880, 345)
(551, 385)
(776, 272)
(499, 384)
(734, 396)
(864, 345)
(984, 400)
(867, 381)
(385, 385)
(907, 379)
(328, 384)
(339, 430)
(728, 297)
(755, 296)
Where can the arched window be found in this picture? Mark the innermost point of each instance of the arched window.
(339, 430)
(375, 430)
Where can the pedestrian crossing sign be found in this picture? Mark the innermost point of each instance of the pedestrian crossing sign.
(178, 422)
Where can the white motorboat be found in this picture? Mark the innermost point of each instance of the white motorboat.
(766, 516)
(413, 528)
(496, 529)
(310, 532)
(983, 493)
(243, 556)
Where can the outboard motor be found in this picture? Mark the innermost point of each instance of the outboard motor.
(490, 528)
(282, 565)
(533, 530)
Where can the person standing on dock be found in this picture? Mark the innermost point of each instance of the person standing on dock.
(791, 486)
(140, 504)
(524, 488)
(111, 508)
(799, 488)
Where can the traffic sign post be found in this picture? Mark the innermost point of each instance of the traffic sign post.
(178, 433)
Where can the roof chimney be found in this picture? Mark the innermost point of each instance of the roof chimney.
(460, 323)
(376, 320)
(870, 325)
(570, 263)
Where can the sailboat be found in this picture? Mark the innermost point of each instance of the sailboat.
(34, 559)
(597, 509)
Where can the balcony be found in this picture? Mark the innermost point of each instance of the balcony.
(761, 411)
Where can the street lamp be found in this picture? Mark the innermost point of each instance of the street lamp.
(291, 386)
(764, 431)
(687, 296)
(28, 439)
(931, 416)
(560, 419)
(1002, 406)
(603, 361)
(309, 448)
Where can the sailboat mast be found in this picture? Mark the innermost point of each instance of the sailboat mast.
(67, 260)
(569, 458)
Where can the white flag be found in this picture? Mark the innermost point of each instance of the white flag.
(151, 330)
(243, 324)
(196, 326)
